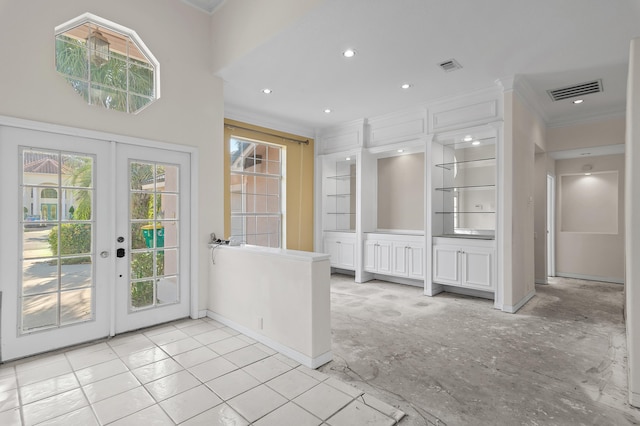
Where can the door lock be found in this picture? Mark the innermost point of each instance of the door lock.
(121, 239)
(120, 252)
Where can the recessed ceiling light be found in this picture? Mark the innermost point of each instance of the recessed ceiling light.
(349, 53)
(401, 150)
(348, 158)
(587, 174)
(578, 101)
(266, 91)
(467, 138)
(475, 143)
(327, 111)
(405, 86)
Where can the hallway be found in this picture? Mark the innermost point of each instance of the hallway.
(454, 360)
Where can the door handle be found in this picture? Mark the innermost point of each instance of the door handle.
(120, 252)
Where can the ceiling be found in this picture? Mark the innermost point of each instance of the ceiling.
(543, 44)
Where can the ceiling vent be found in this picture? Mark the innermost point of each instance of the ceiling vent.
(576, 90)
(450, 65)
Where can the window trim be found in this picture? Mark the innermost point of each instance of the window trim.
(94, 19)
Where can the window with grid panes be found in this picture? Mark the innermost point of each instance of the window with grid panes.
(256, 192)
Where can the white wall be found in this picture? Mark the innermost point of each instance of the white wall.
(521, 136)
(190, 111)
(632, 199)
(586, 135)
(590, 233)
(401, 192)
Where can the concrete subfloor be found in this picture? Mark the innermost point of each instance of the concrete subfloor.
(454, 360)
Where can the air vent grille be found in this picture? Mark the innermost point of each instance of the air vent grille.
(576, 90)
(450, 65)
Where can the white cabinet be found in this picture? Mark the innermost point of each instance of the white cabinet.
(395, 255)
(342, 249)
(408, 259)
(464, 263)
(377, 256)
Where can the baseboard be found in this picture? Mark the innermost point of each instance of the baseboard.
(513, 309)
(399, 280)
(469, 292)
(202, 313)
(544, 281)
(285, 350)
(634, 399)
(435, 289)
(590, 277)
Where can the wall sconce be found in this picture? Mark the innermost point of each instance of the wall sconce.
(98, 47)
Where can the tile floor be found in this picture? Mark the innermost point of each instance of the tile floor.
(191, 372)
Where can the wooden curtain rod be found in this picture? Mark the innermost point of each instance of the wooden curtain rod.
(306, 142)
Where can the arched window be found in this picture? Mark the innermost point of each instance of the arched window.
(107, 64)
(48, 193)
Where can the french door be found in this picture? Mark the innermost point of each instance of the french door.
(94, 239)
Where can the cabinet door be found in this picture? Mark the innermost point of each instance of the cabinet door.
(446, 268)
(477, 268)
(415, 257)
(331, 247)
(383, 257)
(370, 253)
(347, 254)
(399, 261)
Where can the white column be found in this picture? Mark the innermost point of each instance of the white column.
(632, 217)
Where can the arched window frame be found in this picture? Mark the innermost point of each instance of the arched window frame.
(89, 18)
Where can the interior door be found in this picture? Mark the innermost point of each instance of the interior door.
(54, 221)
(152, 236)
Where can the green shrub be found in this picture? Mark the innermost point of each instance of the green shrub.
(75, 238)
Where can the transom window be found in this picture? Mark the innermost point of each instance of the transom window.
(256, 192)
(107, 64)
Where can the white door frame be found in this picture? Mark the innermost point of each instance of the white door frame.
(551, 226)
(8, 243)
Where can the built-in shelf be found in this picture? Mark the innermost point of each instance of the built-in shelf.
(338, 195)
(464, 188)
(342, 177)
(481, 162)
(482, 212)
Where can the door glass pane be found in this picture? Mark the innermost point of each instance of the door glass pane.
(153, 199)
(57, 282)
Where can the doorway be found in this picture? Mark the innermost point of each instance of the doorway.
(111, 254)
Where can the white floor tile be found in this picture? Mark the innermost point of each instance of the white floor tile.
(46, 388)
(54, 406)
(81, 417)
(38, 361)
(232, 384)
(160, 329)
(352, 391)
(7, 371)
(257, 402)
(152, 416)
(9, 400)
(286, 360)
(156, 370)
(292, 384)
(195, 357)
(43, 371)
(209, 370)
(266, 349)
(381, 406)
(101, 371)
(144, 357)
(171, 385)
(8, 383)
(109, 387)
(127, 338)
(10, 418)
(168, 337)
(190, 403)
(198, 327)
(228, 345)
(220, 415)
(266, 369)
(245, 356)
(86, 359)
(133, 346)
(323, 401)
(180, 346)
(122, 405)
(318, 375)
(357, 413)
(83, 350)
(212, 336)
(290, 414)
